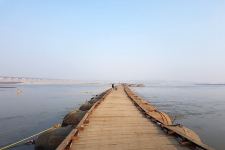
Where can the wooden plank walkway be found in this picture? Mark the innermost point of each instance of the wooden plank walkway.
(117, 124)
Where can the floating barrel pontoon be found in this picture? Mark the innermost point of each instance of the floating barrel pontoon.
(119, 119)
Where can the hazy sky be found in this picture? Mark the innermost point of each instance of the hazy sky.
(113, 40)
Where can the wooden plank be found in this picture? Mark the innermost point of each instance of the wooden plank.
(74, 132)
(118, 124)
(165, 123)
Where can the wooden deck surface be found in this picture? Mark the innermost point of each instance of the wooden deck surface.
(117, 124)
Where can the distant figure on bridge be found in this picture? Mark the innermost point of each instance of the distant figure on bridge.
(113, 86)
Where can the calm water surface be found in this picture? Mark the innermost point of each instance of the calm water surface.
(38, 107)
(199, 107)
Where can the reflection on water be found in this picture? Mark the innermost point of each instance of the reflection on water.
(199, 107)
(28, 109)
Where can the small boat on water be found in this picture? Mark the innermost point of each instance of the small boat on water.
(18, 91)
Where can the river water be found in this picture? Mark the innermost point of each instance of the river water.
(28, 109)
(199, 107)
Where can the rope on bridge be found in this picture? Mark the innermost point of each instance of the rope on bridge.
(22, 141)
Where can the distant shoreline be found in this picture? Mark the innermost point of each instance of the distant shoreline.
(7, 87)
(45, 82)
(212, 84)
(9, 82)
(6, 81)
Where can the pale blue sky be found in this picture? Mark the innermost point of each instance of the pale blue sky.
(113, 40)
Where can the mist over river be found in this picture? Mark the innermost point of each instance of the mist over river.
(28, 109)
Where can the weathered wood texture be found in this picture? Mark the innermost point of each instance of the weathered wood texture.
(117, 124)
